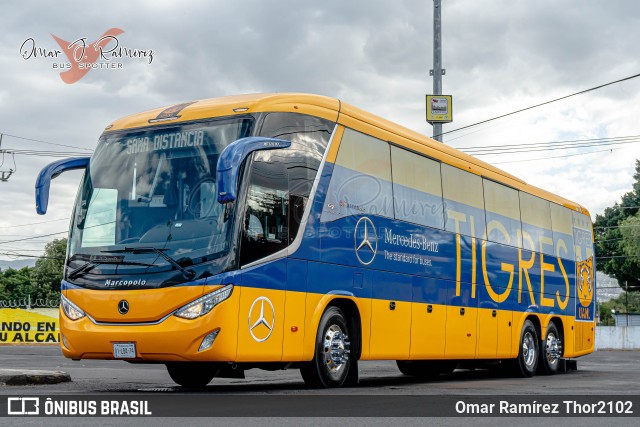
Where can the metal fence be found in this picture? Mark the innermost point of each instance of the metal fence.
(29, 303)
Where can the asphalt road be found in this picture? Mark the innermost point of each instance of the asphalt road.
(602, 373)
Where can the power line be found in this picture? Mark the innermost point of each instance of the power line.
(617, 226)
(567, 141)
(30, 256)
(554, 157)
(41, 153)
(34, 237)
(541, 104)
(46, 142)
(549, 146)
(36, 223)
(618, 256)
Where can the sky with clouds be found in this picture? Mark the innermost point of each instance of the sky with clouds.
(499, 55)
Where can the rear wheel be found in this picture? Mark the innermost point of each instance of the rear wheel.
(527, 361)
(192, 374)
(333, 359)
(550, 351)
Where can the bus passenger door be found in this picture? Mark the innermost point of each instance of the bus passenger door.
(263, 244)
(261, 317)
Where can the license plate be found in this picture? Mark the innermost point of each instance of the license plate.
(125, 350)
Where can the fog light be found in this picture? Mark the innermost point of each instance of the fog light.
(64, 340)
(208, 340)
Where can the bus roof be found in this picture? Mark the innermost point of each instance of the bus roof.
(334, 110)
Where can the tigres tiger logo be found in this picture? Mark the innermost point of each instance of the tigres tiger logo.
(584, 272)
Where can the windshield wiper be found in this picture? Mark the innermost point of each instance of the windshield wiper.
(188, 274)
(95, 260)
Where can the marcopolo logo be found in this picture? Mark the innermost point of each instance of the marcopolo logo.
(124, 283)
(105, 53)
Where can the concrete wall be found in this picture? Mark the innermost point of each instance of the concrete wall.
(618, 337)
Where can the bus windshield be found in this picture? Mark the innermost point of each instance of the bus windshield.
(153, 188)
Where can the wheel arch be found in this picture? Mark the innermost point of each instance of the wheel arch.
(349, 306)
(536, 323)
(559, 324)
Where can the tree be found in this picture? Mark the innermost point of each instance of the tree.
(630, 229)
(617, 255)
(46, 275)
(622, 304)
(15, 284)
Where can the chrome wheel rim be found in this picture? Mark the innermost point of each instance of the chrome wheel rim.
(336, 351)
(528, 350)
(553, 349)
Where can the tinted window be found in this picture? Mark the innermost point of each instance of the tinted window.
(417, 188)
(582, 236)
(536, 224)
(309, 136)
(503, 214)
(562, 232)
(464, 204)
(361, 179)
(266, 224)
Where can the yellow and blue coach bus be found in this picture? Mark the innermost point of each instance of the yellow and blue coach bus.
(288, 230)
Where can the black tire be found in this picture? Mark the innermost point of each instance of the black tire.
(550, 351)
(426, 369)
(329, 368)
(446, 367)
(527, 361)
(192, 374)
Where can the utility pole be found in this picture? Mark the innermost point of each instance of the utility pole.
(6, 174)
(437, 71)
(626, 300)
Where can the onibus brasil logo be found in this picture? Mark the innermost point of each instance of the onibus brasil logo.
(105, 53)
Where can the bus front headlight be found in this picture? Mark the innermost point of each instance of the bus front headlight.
(72, 311)
(204, 304)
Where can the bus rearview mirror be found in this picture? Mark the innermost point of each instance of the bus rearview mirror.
(51, 171)
(231, 159)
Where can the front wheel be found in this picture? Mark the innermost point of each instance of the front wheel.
(333, 359)
(192, 374)
(527, 361)
(550, 351)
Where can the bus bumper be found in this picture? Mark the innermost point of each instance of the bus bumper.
(172, 340)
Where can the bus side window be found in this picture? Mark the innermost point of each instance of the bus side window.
(503, 214)
(417, 188)
(463, 202)
(536, 224)
(561, 223)
(361, 179)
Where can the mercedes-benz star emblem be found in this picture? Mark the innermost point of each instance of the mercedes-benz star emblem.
(123, 307)
(365, 241)
(261, 326)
